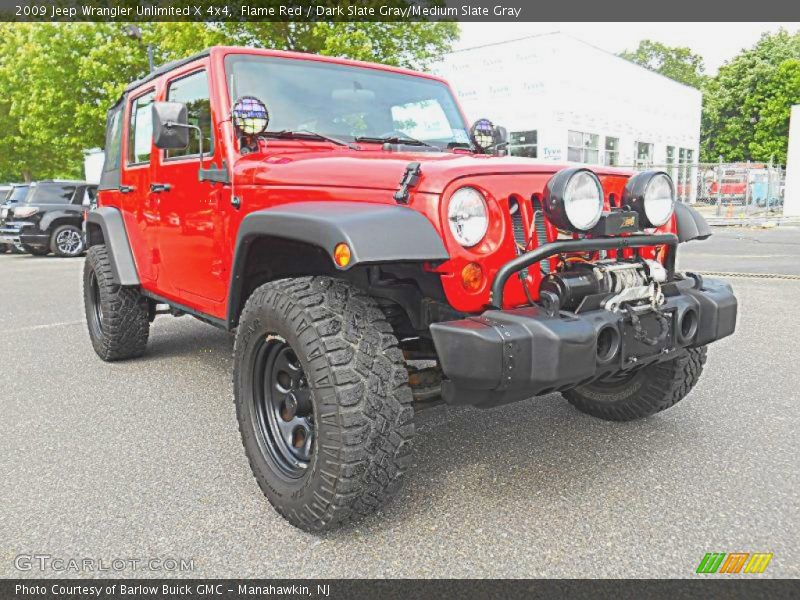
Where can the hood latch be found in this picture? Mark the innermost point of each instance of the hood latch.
(410, 179)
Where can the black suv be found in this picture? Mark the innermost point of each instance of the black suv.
(49, 219)
(11, 195)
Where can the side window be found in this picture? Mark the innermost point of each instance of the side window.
(192, 90)
(114, 139)
(52, 194)
(140, 131)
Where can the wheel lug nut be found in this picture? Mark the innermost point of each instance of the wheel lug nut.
(289, 408)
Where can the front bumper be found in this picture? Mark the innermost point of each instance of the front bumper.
(508, 355)
(21, 232)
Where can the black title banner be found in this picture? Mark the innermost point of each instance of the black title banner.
(394, 10)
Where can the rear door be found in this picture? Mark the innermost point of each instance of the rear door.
(191, 233)
(139, 208)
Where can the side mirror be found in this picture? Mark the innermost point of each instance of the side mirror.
(170, 125)
(501, 136)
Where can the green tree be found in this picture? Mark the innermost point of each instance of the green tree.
(59, 79)
(746, 109)
(680, 64)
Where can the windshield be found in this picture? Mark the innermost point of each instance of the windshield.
(347, 102)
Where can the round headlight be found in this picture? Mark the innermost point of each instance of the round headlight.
(468, 216)
(659, 200)
(652, 195)
(574, 199)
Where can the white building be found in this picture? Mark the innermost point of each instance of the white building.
(562, 99)
(791, 201)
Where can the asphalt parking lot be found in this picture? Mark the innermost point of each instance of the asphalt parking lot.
(142, 459)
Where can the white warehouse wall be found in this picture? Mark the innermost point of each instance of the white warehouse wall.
(791, 200)
(554, 83)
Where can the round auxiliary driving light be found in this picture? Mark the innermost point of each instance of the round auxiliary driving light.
(652, 195)
(249, 116)
(573, 199)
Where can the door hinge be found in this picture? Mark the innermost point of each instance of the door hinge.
(214, 174)
(410, 179)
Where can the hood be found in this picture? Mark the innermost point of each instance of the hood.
(381, 170)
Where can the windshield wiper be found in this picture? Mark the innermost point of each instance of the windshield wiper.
(395, 139)
(302, 133)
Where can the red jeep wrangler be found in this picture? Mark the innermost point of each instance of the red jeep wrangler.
(344, 220)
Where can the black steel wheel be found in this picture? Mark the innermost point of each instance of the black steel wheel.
(283, 411)
(94, 313)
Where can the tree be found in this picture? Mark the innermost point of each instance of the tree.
(59, 79)
(680, 64)
(746, 111)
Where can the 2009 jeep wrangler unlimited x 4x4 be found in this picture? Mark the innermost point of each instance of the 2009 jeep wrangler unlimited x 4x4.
(343, 219)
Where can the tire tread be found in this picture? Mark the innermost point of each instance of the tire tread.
(126, 323)
(663, 385)
(371, 426)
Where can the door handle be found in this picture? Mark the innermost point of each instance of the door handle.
(157, 188)
(126, 189)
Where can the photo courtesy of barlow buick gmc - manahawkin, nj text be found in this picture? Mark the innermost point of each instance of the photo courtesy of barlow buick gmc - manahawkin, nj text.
(420, 298)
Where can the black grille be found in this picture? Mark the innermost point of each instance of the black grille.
(518, 228)
(540, 231)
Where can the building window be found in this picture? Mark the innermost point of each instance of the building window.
(140, 129)
(583, 147)
(671, 161)
(644, 153)
(524, 143)
(192, 90)
(611, 156)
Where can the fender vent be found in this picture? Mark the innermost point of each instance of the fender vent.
(540, 230)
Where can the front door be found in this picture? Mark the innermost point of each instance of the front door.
(191, 212)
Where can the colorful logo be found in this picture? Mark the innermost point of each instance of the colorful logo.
(734, 562)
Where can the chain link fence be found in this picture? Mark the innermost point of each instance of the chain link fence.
(728, 190)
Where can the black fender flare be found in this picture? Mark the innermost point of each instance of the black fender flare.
(690, 224)
(109, 220)
(375, 233)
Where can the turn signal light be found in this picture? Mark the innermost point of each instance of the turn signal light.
(472, 277)
(342, 255)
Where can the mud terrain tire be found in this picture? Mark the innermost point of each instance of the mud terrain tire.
(117, 317)
(357, 397)
(646, 392)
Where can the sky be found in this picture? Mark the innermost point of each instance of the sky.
(715, 42)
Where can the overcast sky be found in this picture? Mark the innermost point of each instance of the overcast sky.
(715, 42)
